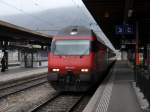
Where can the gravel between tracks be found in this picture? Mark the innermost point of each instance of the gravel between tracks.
(60, 104)
(25, 100)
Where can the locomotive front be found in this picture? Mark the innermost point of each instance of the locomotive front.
(70, 60)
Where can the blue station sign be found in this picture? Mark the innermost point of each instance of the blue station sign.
(124, 29)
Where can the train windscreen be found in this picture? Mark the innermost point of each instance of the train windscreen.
(71, 47)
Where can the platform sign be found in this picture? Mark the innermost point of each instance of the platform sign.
(123, 46)
(119, 29)
(128, 29)
(124, 29)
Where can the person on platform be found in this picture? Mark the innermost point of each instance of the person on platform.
(3, 63)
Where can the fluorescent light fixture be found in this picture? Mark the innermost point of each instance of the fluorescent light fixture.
(36, 46)
(130, 11)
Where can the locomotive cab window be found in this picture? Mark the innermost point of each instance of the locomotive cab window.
(71, 47)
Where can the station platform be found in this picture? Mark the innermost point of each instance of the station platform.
(18, 73)
(116, 93)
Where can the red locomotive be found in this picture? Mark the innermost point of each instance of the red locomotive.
(76, 58)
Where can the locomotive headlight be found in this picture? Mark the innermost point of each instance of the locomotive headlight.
(84, 70)
(55, 70)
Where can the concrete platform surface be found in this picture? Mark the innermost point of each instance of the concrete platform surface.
(117, 94)
(20, 73)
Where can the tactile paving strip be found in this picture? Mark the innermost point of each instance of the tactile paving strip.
(105, 98)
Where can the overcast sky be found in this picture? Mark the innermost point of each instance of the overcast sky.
(48, 16)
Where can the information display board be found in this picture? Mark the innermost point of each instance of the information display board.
(124, 29)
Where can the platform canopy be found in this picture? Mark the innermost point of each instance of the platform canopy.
(127, 15)
(49, 16)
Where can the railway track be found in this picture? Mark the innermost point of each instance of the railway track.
(60, 102)
(57, 102)
(21, 85)
(65, 101)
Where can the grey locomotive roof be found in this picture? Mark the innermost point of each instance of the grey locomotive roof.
(76, 30)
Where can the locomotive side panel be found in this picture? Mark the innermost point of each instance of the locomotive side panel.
(100, 60)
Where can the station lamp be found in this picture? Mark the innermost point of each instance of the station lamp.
(106, 14)
(130, 12)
